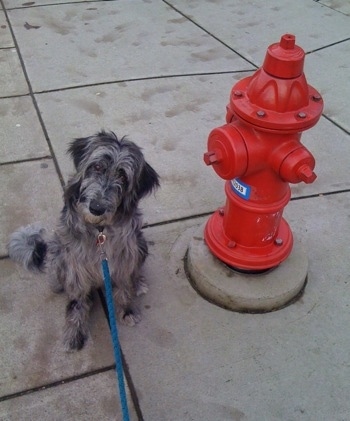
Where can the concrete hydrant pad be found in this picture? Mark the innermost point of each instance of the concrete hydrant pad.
(253, 293)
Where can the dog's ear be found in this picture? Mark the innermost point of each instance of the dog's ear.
(69, 215)
(72, 191)
(148, 181)
(77, 150)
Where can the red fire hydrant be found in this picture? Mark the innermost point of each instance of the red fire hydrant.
(259, 152)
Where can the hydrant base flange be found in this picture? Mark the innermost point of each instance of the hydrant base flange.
(247, 258)
(242, 292)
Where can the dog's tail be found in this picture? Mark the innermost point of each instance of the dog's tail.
(28, 247)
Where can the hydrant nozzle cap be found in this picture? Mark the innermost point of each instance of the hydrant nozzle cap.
(284, 59)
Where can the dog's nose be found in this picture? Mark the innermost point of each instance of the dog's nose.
(96, 208)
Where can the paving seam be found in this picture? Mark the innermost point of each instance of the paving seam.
(336, 124)
(330, 7)
(21, 161)
(201, 215)
(140, 79)
(14, 96)
(210, 34)
(327, 46)
(56, 383)
(31, 94)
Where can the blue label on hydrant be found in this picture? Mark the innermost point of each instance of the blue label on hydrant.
(243, 190)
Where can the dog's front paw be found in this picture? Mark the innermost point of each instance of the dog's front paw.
(75, 342)
(131, 317)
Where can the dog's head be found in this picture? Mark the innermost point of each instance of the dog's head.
(111, 177)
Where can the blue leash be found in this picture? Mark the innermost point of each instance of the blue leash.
(113, 327)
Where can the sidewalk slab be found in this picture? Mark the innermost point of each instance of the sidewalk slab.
(20, 131)
(29, 192)
(12, 80)
(250, 28)
(342, 6)
(194, 360)
(79, 44)
(173, 133)
(32, 352)
(6, 40)
(161, 130)
(330, 147)
(12, 4)
(89, 399)
(328, 71)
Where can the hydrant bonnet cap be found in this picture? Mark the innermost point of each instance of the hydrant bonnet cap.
(284, 59)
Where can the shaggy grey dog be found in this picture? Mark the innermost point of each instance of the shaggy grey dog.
(111, 177)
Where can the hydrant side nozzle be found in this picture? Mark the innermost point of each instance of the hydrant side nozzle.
(298, 166)
(227, 152)
(306, 174)
(212, 157)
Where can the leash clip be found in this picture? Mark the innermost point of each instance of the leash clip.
(101, 239)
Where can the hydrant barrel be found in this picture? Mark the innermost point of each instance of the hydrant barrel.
(259, 153)
(256, 223)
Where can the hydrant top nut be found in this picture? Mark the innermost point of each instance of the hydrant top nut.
(284, 59)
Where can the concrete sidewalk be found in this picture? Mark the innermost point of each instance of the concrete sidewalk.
(161, 72)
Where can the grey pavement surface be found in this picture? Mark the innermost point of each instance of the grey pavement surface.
(161, 73)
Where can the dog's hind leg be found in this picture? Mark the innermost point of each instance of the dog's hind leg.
(56, 280)
(76, 328)
(141, 286)
(139, 281)
(57, 264)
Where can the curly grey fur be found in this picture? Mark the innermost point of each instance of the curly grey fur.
(111, 177)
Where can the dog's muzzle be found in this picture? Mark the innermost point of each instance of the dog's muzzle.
(96, 208)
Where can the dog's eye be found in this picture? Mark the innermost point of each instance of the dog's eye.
(120, 174)
(98, 168)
